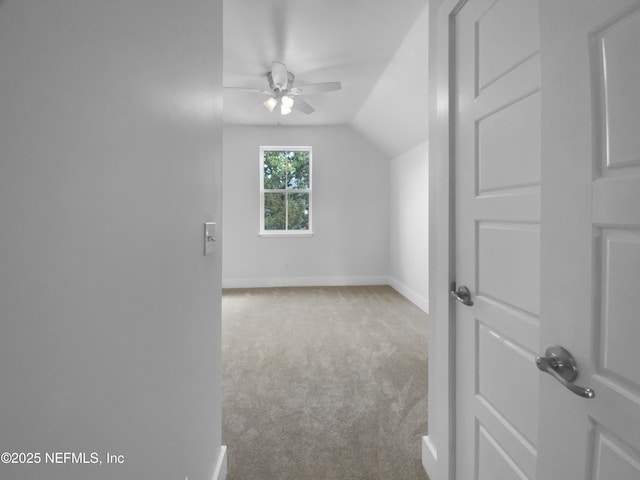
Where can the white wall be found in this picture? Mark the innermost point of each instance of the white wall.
(409, 227)
(110, 142)
(350, 244)
(394, 116)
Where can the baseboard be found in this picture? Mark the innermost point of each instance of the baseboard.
(303, 282)
(220, 473)
(411, 295)
(429, 458)
(414, 297)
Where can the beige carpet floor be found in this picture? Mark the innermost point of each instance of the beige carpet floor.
(323, 383)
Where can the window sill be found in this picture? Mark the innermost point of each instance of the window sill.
(279, 234)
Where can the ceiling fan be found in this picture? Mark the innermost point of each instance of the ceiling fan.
(282, 92)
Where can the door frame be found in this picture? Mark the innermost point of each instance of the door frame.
(438, 447)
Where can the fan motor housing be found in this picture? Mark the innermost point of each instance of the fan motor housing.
(290, 78)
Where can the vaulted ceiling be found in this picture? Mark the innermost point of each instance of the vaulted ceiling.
(352, 41)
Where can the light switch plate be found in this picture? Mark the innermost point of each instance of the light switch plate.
(209, 237)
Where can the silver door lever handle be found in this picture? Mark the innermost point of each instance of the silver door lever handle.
(463, 295)
(559, 363)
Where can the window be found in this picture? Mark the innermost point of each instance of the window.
(285, 190)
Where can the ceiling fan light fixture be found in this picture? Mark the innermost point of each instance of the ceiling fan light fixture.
(271, 104)
(284, 110)
(287, 102)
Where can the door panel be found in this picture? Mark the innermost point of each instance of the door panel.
(497, 213)
(506, 37)
(590, 250)
(515, 163)
(620, 328)
(496, 380)
(496, 463)
(617, 56)
(613, 460)
(508, 251)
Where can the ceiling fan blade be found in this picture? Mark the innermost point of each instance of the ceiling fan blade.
(279, 74)
(313, 88)
(270, 105)
(249, 90)
(259, 106)
(303, 106)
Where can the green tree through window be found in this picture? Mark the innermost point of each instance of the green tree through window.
(285, 189)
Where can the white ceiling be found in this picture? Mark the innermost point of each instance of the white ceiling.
(352, 41)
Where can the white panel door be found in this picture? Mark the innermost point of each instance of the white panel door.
(496, 111)
(590, 243)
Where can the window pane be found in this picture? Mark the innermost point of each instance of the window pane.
(274, 211)
(298, 211)
(298, 166)
(275, 173)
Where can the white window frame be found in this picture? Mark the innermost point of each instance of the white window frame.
(286, 233)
